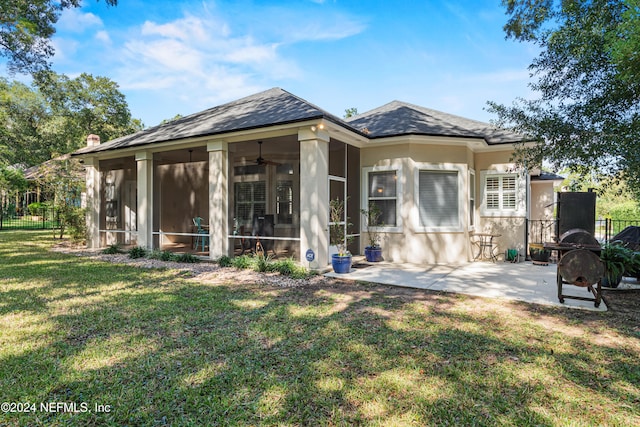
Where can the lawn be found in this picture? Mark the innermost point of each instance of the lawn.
(129, 346)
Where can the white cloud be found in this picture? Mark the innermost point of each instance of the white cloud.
(103, 36)
(73, 20)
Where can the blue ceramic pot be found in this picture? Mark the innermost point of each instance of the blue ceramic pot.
(341, 264)
(373, 254)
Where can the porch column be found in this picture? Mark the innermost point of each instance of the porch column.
(93, 202)
(144, 165)
(218, 197)
(314, 195)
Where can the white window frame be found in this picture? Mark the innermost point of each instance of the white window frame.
(439, 167)
(520, 209)
(472, 185)
(364, 201)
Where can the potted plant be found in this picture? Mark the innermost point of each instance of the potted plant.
(373, 252)
(340, 261)
(617, 259)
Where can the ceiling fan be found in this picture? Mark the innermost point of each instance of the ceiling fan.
(261, 160)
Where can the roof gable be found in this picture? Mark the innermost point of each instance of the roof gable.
(400, 118)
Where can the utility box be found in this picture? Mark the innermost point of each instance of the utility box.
(576, 210)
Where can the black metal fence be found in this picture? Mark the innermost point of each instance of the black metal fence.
(542, 231)
(45, 219)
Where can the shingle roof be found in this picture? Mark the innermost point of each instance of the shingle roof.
(271, 107)
(400, 118)
(277, 106)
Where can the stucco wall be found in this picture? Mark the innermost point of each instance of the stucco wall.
(408, 242)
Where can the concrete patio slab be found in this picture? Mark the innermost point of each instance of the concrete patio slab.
(516, 281)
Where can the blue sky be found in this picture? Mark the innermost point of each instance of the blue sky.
(180, 57)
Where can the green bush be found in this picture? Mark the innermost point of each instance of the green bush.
(137, 252)
(242, 261)
(112, 249)
(162, 255)
(37, 208)
(76, 223)
(261, 263)
(189, 258)
(289, 267)
(225, 261)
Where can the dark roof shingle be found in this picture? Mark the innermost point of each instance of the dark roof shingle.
(271, 107)
(400, 118)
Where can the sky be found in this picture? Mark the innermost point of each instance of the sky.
(180, 56)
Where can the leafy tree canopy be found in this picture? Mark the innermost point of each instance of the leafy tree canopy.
(26, 27)
(55, 115)
(587, 114)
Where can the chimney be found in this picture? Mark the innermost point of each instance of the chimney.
(93, 140)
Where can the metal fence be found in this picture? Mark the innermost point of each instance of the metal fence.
(605, 229)
(46, 219)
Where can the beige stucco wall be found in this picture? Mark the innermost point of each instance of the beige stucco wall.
(512, 229)
(409, 243)
(542, 200)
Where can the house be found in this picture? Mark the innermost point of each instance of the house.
(264, 168)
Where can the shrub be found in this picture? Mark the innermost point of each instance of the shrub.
(112, 249)
(262, 263)
(162, 255)
(289, 267)
(242, 261)
(137, 252)
(189, 258)
(225, 261)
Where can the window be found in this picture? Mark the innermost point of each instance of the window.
(284, 202)
(383, 192)
(250, 200)
(472, 198)
(500, 192)
(438, 198)
(503, 194)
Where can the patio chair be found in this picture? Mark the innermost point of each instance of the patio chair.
(202, 231)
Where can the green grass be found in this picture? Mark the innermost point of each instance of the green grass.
(162, 349)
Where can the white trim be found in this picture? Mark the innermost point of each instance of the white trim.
(364, 195)
(439, 167)
(473, 190)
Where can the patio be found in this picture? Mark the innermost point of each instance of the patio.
(516, 281)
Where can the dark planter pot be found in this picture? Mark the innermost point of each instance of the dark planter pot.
(538, 254)
(373, 254)
(614, 283)
(341, 264)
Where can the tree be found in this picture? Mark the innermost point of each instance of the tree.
(64, 179)
(350, 112)
(26, 27)
(587, 115)
(80, 106)
(55, 115)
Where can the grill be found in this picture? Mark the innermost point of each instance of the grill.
(579, 264)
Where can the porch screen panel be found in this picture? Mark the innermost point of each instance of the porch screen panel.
(438, 199)
(383, 194)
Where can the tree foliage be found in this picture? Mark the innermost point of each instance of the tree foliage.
(26, 27)
(55, 115)
(587, 113)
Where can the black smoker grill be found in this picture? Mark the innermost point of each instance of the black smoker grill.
(579, 263)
